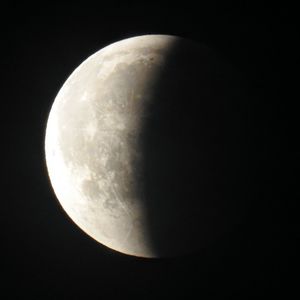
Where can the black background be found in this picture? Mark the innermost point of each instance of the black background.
(45, 255)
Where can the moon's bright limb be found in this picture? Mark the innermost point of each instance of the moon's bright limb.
(92, 136)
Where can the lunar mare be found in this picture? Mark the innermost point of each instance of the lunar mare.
(92, 141)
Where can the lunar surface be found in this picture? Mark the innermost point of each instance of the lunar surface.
(92, 137)
(132, 148)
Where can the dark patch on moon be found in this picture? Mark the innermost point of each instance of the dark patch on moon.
(192, 154)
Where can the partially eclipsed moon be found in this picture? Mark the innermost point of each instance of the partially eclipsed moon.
(136, 146)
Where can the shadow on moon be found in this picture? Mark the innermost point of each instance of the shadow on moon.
(193, 141)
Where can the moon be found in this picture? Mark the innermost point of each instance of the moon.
(129, 143)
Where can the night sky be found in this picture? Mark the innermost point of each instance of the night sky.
(45, 256)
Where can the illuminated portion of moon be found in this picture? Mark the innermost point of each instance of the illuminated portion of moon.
(92, 137)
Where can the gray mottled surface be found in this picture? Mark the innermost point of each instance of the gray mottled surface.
(92, 140)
